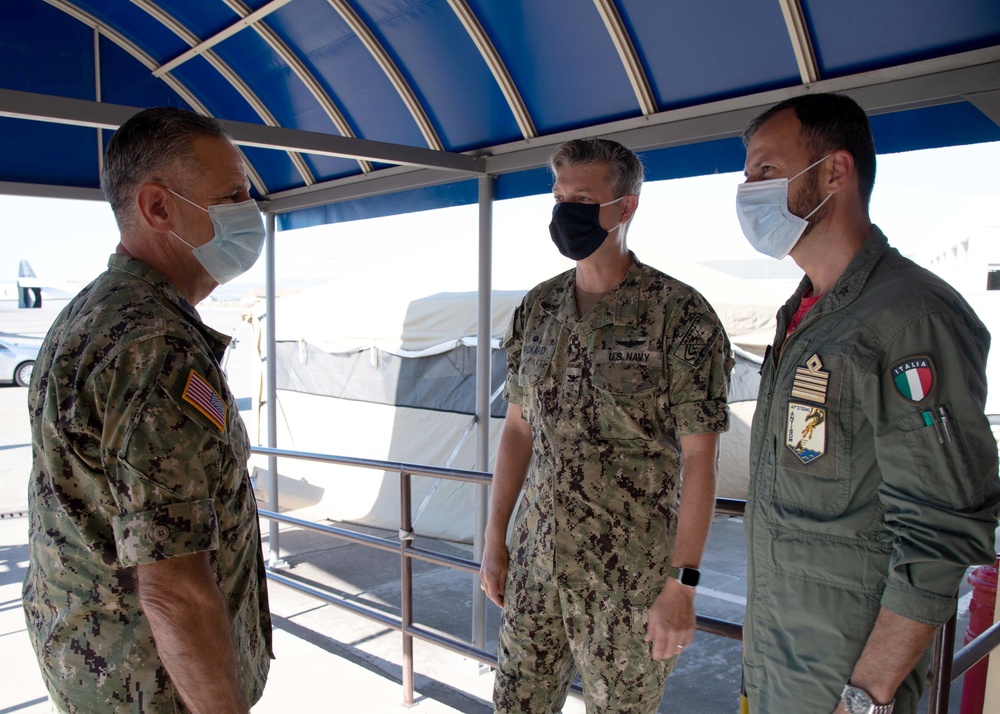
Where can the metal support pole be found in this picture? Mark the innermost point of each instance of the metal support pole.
(939, 689)
(484, 367)
(274, 560)
(406, 584)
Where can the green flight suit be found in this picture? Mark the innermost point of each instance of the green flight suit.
(139, 454)
(863, 493)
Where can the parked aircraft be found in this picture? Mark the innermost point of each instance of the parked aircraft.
(29, 291)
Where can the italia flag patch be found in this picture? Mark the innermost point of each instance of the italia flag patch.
(914, 377)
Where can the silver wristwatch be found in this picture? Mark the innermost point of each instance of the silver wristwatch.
(857, 701)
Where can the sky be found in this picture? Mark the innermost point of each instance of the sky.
(923, 201)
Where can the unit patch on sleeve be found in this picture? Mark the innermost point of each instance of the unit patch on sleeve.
(914, 377)
(199, 393)
(805, 432)
(699, 336)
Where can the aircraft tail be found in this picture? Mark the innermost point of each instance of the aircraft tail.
(29, 292)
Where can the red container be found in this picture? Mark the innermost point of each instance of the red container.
(981, 609)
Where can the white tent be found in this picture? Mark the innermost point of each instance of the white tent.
(391, 375)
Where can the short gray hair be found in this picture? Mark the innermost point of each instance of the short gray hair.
(624, 166)
(146, 148)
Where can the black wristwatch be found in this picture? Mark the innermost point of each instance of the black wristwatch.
(687, 576)
(857, 701)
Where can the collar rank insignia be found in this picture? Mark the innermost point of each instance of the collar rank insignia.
(199, 394)
(811, 381)
(914, 377)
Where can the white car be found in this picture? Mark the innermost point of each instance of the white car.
(17, 359)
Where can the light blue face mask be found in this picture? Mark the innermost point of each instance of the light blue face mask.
(762, 208)
(239, 238)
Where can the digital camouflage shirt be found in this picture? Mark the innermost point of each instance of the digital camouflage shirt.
(607, 397)
(139, 454)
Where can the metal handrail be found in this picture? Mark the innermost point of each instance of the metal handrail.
(944, 668)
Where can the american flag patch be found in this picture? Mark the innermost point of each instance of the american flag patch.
(199, 393)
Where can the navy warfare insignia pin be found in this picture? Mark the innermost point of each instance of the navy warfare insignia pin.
(914, 377)
(805, 431)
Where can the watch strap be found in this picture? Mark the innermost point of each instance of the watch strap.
(686, 576)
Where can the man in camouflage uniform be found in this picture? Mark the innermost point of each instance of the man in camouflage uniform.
(146, 588)
(617, 374)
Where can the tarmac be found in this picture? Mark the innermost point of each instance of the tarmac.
(327, 658)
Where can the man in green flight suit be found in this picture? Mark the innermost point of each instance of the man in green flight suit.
(617, 375)
(873, 470)
(146, 589)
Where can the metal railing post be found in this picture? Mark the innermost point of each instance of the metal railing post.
(939, 687)
(484, 369)
(273, 552)
(406, 584)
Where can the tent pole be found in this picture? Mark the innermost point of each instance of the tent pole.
(274, 560)
(484, 359)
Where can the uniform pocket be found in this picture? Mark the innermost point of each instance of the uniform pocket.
(626, 378)
(813, 428)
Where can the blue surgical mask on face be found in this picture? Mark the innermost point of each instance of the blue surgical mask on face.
(576, 228)
(239, 238)
(762, 208)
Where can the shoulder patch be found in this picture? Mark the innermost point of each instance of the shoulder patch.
(914, 377)
(698, 337)
(199, 394)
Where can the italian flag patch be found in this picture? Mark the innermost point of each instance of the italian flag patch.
(914, 377)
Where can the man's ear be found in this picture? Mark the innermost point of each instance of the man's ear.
(154, 207)
(630, 203)
(840, 172)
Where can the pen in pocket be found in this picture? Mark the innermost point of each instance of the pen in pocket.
(930, 421)
(944, 423)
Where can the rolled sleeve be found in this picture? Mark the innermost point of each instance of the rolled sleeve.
(699, 384)
(165, 532)
(939, 484)
(512, 392)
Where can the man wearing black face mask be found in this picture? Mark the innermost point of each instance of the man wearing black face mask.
(615, 371)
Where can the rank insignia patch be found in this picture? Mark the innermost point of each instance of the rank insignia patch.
(805, 432)
(811, 381)
(914, 377)
(199, 393)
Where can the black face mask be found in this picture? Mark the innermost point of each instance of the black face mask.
(576, 228)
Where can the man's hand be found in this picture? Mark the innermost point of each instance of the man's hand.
(671, 620)
(493, 572)
(840, 709)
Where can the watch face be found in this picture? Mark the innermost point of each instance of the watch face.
(856, 701)
(690, 576)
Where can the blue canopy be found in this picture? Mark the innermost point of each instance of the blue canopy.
(349, 109)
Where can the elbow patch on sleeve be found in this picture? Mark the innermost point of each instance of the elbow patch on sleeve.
(166, 531)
